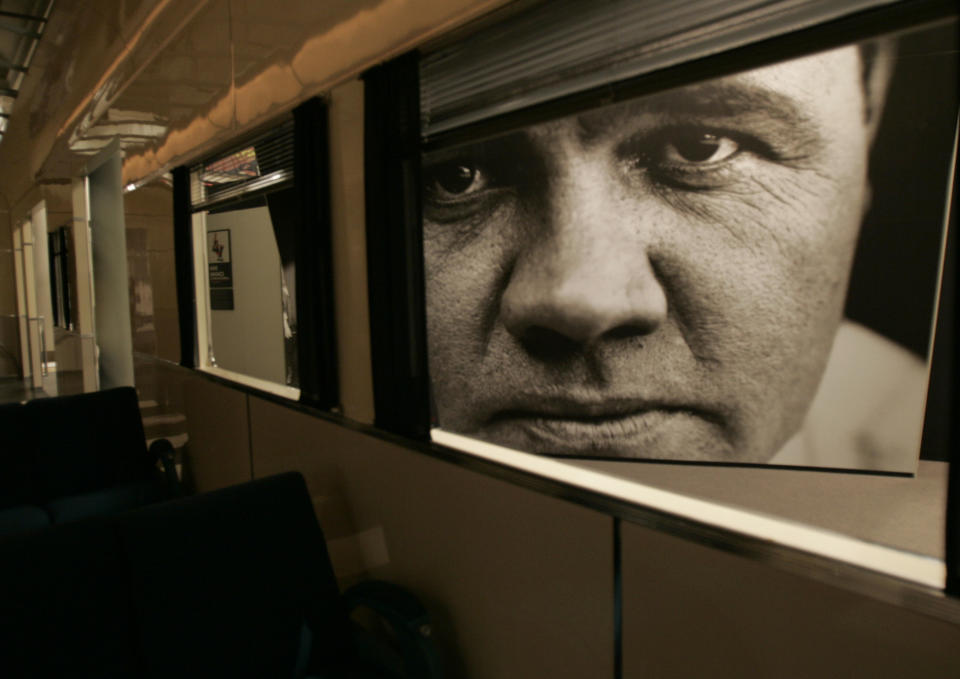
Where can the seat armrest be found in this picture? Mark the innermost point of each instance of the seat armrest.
(22, 519)
(162, 451)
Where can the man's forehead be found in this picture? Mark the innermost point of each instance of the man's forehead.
(798, 92)
(817, 96)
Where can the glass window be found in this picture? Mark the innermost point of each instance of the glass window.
(666, 277)
(60, 277)
(244, 248)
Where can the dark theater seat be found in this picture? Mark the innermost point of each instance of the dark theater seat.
(72, 457)
(231, 583)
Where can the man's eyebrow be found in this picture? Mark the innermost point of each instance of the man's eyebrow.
(517, 142)
(721, 99)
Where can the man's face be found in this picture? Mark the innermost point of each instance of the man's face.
(660, 278)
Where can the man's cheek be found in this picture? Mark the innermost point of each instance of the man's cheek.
(747, 307)
(773, 213)
(457, 304)
(799, 228)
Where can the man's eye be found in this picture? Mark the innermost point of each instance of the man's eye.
(454, 180)
(697, 148)
(692, 157)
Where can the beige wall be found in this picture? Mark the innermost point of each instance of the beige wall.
(517, 583)
(521, 584)
(218, 452)
(692, 611)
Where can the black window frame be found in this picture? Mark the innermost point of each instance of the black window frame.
(316, 339)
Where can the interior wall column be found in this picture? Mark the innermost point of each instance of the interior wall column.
(41, 272)
(110, 279)
(84, 317)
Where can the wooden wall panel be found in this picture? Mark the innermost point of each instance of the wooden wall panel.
(218, 452)
(519, 584)
(692, 611)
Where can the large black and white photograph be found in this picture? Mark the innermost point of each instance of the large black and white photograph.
(741, 270)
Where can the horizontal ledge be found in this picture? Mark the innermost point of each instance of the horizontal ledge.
(21, 15)
(281, 390)
(27, 33)
(701, 520)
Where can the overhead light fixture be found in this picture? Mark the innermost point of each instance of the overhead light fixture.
(132, 128)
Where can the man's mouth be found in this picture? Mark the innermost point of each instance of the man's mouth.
(594, 428)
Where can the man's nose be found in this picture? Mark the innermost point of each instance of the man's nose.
(584, 277)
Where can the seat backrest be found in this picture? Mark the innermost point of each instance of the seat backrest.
(73, 444)
(16, 458)
(211, 585)
(65, 607)
(223, 581)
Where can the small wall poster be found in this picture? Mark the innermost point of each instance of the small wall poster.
(220, 270)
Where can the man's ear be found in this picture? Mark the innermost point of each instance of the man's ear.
(876, 67)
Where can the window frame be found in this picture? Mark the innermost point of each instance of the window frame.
(316, 346)
(401, 382)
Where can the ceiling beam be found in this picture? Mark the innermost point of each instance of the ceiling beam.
(21, 15)
(10, 66)
(20, 31)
